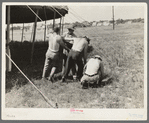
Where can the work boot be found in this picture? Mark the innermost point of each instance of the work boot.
(63, 79)
(82, 82)
(85, 86)
(75, 78)
(51, 79)
(44, 79)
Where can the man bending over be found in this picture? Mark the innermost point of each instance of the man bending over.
(78, 50)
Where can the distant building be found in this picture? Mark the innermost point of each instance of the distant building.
(142, 21)
(99, 23)
(67, 25)
(128, 22)
(86, 23)
(106, 23)
(94, 23)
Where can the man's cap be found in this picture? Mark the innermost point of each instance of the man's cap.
(87, 38)
(97, 56)
(71, 28)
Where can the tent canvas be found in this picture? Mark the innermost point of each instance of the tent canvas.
(22, 14)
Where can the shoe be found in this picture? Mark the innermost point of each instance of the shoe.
(44, 79)
(82, 82)
(74, 78)
(63, 79)
(84, 85)
(51, 79)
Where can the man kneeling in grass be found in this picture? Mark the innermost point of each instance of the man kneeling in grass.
(93, 72)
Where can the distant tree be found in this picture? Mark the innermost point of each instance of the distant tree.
(111, 21)
(119, 21)
(16, 28)
(78, 24)
(101, 21)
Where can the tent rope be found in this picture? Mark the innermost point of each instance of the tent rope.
(46, 99)
(63, 16)
(77, 16)
(34, 13)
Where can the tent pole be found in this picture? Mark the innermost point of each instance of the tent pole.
(113, 15)
(12, 32)
(8, 62)
(22, 33)
(32, 33)
(54, 20)
(45, 32)
(60, 24)
(35, 25)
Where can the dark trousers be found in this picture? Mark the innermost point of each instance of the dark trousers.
(74, 57)
(73, 68)
(65, 55)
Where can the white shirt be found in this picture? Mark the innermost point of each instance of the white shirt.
(53, 44)
(79, 44)
(67, 35)
(92, 66)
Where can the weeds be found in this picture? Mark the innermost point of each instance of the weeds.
(122, 51)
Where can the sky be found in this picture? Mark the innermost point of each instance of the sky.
(96, 13)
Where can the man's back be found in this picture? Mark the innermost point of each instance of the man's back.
(92, 66)
(79, 44)
(53, 42)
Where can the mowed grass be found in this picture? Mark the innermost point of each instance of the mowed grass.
(122, 51)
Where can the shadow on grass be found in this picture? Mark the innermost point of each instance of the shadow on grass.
(106, 81)
(21, 55)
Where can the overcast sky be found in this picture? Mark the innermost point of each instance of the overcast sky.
(96, 13)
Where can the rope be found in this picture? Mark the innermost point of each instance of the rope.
(77, 14)
(83, 19)
(61, 14)
(92, 30)
(46, 99)
(57, 11)
(34, 13)
(80, 20)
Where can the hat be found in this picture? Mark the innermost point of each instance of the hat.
(87, 38)
(97, 56)
(71, 28)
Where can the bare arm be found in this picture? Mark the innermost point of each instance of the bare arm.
(60, 41)
(69, 39)
(102, 70)
(85, 66)
(84, 69)
(85, 53)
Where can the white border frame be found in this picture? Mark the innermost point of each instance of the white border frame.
(65, 114)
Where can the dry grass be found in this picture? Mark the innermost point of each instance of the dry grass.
(122, 51)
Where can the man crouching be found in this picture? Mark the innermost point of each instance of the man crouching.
(93, 72)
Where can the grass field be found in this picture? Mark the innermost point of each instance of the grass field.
(122, 51)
